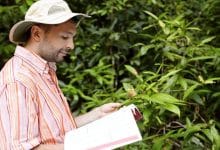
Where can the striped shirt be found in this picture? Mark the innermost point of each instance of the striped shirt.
(33, 109)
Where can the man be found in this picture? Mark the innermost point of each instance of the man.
(34, 114)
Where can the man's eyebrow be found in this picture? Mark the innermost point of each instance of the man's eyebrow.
(70, 33)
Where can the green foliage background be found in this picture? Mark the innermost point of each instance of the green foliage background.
(162, 55)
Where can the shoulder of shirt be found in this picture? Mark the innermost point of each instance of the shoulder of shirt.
(8, 76)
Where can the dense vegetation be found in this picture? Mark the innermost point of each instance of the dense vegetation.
(162, 55)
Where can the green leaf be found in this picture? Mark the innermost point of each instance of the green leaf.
(188, 122)
(161, 23)
(114, 36)
(100, 79)
(190, 90)
(201, 58)
(148, 27)
(197, 99)
(17, 1)
(193, 28)
(211, 80)
(138, 44)
(145, 48)
(173, 108)
(216, 136)
(158, 144)
(208, 134)
(131, 70)
(127, 86)
(164, 98)
(182, 82)
(29, 2)
(170, 82)
(151, 14)
(165, 77)
(23, 8)
(192, 129)
(207, 40)
(146, 114)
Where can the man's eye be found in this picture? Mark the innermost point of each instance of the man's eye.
(65, 37)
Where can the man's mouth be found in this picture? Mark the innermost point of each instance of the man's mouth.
(67, 58)
(64, 53)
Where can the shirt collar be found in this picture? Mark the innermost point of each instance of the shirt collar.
(41, 65)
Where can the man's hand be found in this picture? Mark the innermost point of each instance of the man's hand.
(106, 109)
(97, 113)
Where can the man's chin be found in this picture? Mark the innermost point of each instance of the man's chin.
(58, 60)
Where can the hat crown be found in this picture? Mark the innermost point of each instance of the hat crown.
(43, 9)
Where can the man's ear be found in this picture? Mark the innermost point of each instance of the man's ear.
(36, 33)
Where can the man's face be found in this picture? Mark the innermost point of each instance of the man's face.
(57, 42)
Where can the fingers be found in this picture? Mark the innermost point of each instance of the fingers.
(110, 107)
(115, 105)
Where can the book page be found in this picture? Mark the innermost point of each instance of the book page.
(112, 131)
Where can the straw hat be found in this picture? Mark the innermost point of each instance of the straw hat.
(45, 12)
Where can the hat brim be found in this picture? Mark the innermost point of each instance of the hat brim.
(18, 31)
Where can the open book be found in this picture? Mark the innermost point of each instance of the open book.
(112, 131)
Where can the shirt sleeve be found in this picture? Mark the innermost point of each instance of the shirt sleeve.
(18, 117)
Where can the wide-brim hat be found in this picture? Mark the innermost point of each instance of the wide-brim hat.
(45, 12)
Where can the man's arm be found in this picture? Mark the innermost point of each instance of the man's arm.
(18, 113)
(96, 113)
(84, 119)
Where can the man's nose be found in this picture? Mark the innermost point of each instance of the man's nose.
(70, 44)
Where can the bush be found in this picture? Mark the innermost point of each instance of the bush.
(161, 55)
